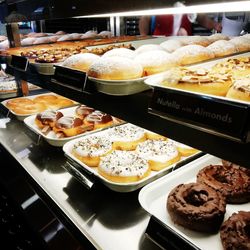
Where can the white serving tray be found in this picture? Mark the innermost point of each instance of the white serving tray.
(157, 79)
(51, 136)
(22, 117)
(153, 198)
(120, 187)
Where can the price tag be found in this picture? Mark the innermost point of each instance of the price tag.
(69, 77)
(214, 115)
(19, 62)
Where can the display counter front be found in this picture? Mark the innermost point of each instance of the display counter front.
(107, 219)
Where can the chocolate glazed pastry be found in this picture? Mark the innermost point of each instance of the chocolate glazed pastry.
(235, 232)
(82, 111)
(231, 180)
(196, 206)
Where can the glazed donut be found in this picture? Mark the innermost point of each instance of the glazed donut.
(29, 109)
(70, 126)
(115, 68)
(47, 118)
(232, 181)
(197, 207)
(234, 232)
(89, 150)
(127, 136)
(159, 154)
(82, 111)
(98, 119)
(123, 167)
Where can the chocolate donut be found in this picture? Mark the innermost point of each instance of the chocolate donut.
(197, 207)
(98, 119)
(231, 180)
(235, 232)
(48, 117)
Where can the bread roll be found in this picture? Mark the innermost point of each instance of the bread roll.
(171, 45)
(217, 36)
(41, 40)
(242, 44)
(105, 33)
(28, 41)
(122, 52)
(198, 40)
(222, 48)
(155, 61)
(148, 47)
(115, 68)
(60, 32)
(192, 54)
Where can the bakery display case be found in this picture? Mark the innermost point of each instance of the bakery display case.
(91, 209)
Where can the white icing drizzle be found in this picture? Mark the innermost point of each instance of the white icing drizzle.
(95, 116)
(49, 114)
(93, 146)
(157, 150)
(127, 132)
(124, 163)
(66, 121)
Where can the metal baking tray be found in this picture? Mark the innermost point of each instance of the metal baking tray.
(120, 87)
(22, 117)
(153, 198)
(44, 68)
(51, 136)
(123, 187)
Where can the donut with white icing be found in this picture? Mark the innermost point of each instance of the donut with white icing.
(159, 153)
(89, 150)
(123, 167)
(127, 136)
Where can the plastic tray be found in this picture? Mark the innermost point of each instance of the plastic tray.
(153, 199)
(51, 136)
(122, 187)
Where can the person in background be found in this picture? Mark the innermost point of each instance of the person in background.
(175, 25)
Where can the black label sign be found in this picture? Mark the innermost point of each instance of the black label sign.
(215, 115)
(19, 62)
(69, 77)
(166, 237)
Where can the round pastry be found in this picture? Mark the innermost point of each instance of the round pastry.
(155, 61)
(234, 232)
(154, 136)
(13, 103)
(121, 52)
(47, 118)
(98, 119)
(82, 111)
(105, 34)
(115, 68)
(45, 99)
(148, 47)
(61, 103)
(242, 44)
(68, 126)
(198, 80)
(233, 182)
(127, 136)
(123, 167)
(159, 154)
(27, 41)
(197, 207)
(90, 149)
(184, 149)
(240, 90)
(29, 109)
(171, 45)
(222, 48)
(80, 62)
(192, 54)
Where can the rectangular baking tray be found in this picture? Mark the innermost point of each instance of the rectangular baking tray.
(22, 117)
(153, 198)
(51, 136)
(123, 187)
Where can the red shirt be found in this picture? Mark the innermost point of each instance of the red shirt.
(164, 25)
